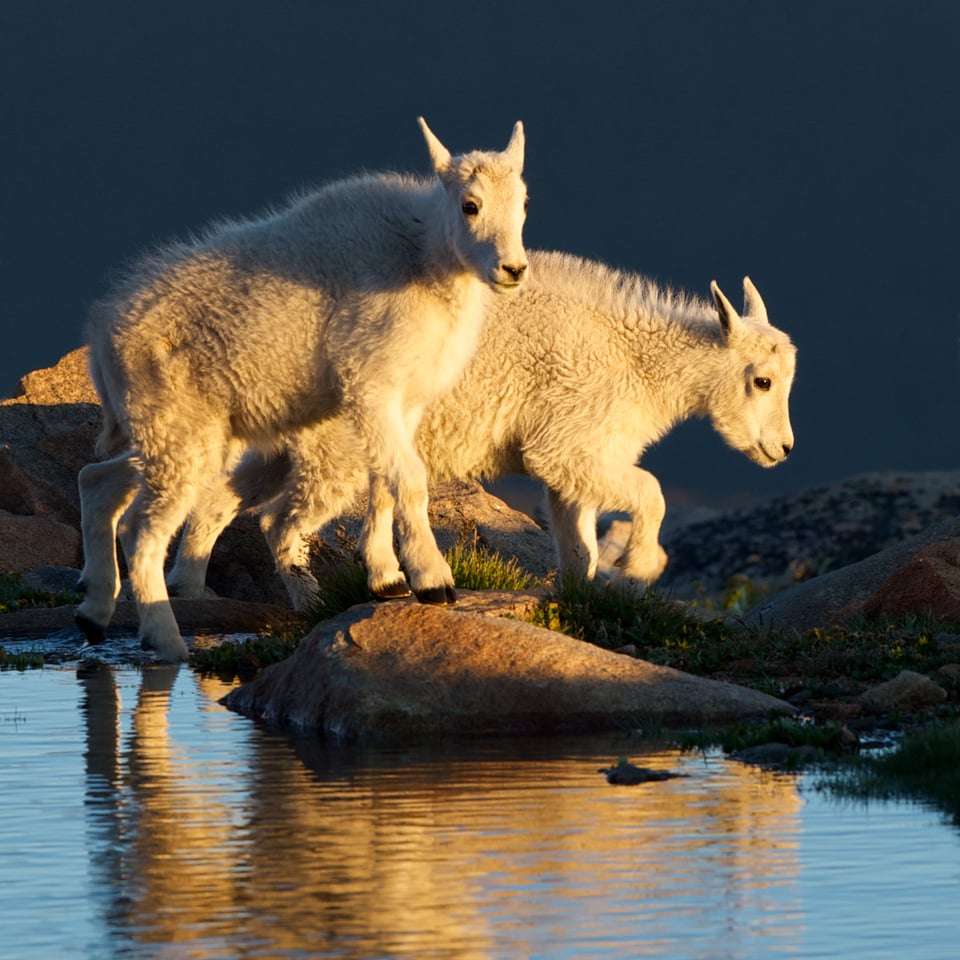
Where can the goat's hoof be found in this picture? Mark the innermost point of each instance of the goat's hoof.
(171, 653)
(393, 591)
(93, 632)
(438, 596)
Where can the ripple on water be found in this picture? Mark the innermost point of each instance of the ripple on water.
(138, 818)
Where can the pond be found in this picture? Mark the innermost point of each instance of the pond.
(141, 819)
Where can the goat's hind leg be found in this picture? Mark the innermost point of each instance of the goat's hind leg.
(165, 499)
(326, 472)
(254, 480)
(106, 491)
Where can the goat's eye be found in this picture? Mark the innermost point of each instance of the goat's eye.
(470, 208)
(761, 383)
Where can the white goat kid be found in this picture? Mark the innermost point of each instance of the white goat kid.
(363, 300)
(573, 379)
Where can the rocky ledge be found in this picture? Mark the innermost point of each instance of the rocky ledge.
(403, 669)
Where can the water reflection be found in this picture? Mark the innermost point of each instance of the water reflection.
(208, 838)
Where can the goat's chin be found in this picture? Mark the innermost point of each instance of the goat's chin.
(759, 456)
(507, 288)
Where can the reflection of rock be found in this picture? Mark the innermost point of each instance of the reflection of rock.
(403, 669)
(777, 755)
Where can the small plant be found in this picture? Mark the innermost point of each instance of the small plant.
(15, 596)
(25, 660)
(611, 615)
(829, 738)
(246, 657)
(924, 767)
(342, 585)
(476, 568)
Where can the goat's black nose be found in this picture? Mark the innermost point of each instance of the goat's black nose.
(515, 271)
(787, 447)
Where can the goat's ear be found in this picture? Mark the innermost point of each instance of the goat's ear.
(516, 145)
(439, 154)
(729, 318)
(753, 305)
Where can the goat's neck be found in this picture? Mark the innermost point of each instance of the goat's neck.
(693, 361)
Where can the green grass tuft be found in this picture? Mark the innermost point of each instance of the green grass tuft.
(475, 568)
(342, 586)
(245, 658)
(15, 596)
(611, 616)
(26, 660)
(925, 767)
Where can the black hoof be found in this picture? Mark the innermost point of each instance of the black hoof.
(438, 596)
(393, 591)
(93, 632)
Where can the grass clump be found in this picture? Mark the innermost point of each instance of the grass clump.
(612, 616)
(15, 596)
(245, 658)
(342, 585)
(829, 738)
(26, 660)
(925, 767)
(476, 568)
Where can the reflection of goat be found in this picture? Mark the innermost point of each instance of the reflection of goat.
(574, 377)
(363, 300)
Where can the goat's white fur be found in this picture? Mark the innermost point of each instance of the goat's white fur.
(362, 301)
(573, 379)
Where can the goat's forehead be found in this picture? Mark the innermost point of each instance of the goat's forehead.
(772, 346)
(486, 168)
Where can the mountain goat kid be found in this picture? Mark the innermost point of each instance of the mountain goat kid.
(362, 300)
(573, 379)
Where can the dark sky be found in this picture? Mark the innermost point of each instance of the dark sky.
(813, 145)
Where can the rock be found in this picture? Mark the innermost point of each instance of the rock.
(927, 584)
(47, 433)
(403, 670)
(907, 691)
(53, 579)
(833, 597)
(788, 539)
(28, 543)
(776, 754)
(625, 773)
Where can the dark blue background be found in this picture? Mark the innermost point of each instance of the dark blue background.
(813, 145)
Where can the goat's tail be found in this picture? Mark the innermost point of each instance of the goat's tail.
(112, 434)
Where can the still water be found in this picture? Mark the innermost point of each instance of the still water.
(139, 818)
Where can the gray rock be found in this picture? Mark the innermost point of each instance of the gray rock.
(403, 670)
(789, 539)
(831, 597)
(908, 690)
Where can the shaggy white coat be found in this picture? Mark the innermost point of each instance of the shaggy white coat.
(573, 379)
(362, 300)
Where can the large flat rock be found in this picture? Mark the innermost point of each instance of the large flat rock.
(403, 669)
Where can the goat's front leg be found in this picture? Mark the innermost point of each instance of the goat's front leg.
(394, 462)
(376, 549)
